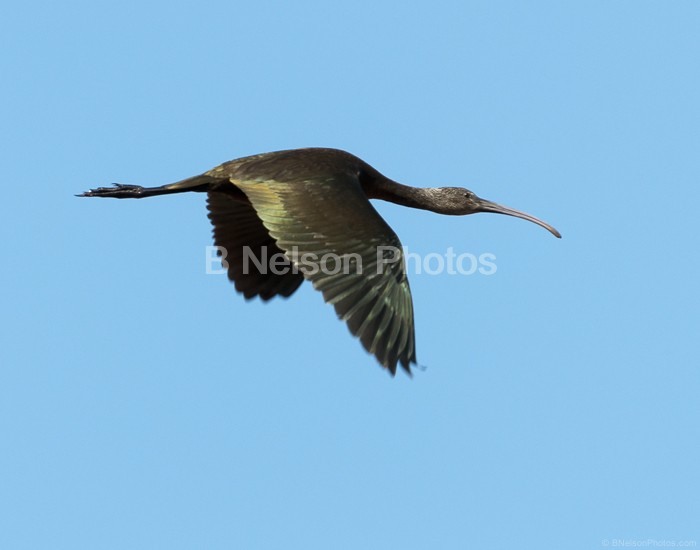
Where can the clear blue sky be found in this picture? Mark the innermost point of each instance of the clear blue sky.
(144, 404)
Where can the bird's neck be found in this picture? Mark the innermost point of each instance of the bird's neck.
(405, 195)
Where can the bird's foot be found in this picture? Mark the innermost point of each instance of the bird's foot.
(117, 191)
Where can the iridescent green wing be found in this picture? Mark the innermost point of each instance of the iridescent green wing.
(243, 240)
(329, 229)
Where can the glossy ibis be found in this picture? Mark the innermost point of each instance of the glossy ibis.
(313, 202)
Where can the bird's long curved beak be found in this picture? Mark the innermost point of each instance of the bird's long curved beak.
(488, 206)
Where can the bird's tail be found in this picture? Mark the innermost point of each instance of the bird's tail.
(121, 191)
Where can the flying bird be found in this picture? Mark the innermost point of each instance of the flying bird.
(303, 205)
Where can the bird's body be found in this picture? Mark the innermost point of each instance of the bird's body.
(309, 209)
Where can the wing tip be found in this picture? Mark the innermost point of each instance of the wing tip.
(405, 363)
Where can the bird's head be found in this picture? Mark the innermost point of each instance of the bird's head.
(458, 201)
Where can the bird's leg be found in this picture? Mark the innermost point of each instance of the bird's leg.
(123, 191)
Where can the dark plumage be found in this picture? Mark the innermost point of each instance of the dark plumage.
(313, 203)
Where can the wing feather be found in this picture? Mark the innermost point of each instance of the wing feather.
(326, 218)
(237, 225)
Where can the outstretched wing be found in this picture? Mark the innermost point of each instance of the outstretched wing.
(329, 229)
(239, 231)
